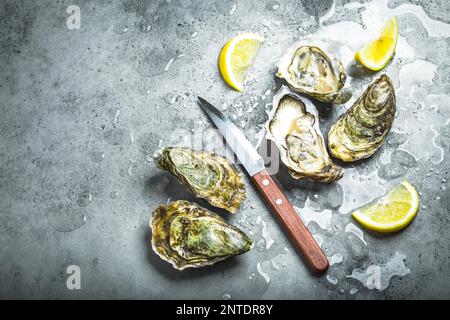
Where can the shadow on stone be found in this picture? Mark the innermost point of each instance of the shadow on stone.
(356, 70)
(166, 186)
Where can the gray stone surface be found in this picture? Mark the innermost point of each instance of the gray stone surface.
(83, 110)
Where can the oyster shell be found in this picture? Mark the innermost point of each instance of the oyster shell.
(363, 128)
(308, 69)
(189, 236)
(205, 174)
(293, 126)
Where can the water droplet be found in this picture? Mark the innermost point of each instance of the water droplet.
(265, 233)
(332, 197)
(356, 231)
(400, 162)
(396, 139)
(168, 65)
(84, 199)
(274, 264)
(116, 117)
(113, 194)
(335, 259)
(356, 248)
(318, 239)
(404, 158)
(323, 219)
(233, 10)
(224, 7)
(409, 77)
(97, 156)
(66, 218)
(260, 244)
(131, 168)
(120, 28)
(391, 171)
(264, 274)
(332, 280)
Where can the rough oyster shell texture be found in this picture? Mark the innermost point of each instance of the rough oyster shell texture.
(308, 69)
(293, 126)
(189, 236)
(205, 174)
(363, 128)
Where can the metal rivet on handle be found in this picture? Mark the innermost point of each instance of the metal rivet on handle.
(278, 201)
(265, 182)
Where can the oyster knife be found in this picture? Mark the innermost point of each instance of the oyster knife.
(268, 189)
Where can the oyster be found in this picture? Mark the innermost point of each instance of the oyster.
(307, 69)
(205, 174)
(294, 127)
(189, 236)
(363, 128)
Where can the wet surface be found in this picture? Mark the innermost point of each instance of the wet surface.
(84, 110)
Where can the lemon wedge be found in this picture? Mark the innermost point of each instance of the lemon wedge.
(237, 57)
(376, 54)
(392, 212)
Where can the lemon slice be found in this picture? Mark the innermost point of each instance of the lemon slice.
(237, 57)
(392, 212)
(376, 54)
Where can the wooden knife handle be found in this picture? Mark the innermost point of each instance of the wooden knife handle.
(291, 222)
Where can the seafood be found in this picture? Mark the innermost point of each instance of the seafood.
(293, 126)
(308, 69)
(189, 236)
(205, 174)
(363, 128)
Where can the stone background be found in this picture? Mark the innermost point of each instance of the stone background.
(83, 110)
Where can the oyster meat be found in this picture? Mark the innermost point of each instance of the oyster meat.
(308, 69)
(205, 174)
(189, 236)
(363, 128)
(293, 126)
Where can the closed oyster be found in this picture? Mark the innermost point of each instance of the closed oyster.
(205, 174)
(189, 236)
(363, 128)
(294, 127)
(308, 69)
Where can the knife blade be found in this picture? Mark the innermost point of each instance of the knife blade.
(236, 140)
(268, 189)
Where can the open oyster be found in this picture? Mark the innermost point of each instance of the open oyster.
(205, 174)
(189, 236)
(294, 127)
(363, 128)
(307, 69)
